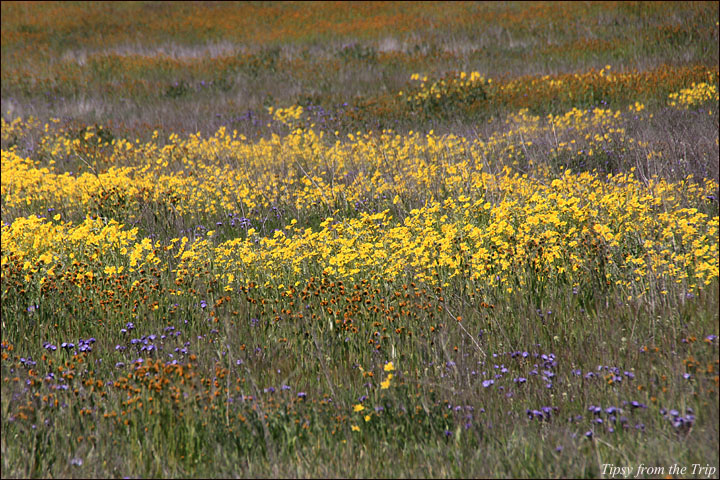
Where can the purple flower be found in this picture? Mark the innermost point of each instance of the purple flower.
(28, 362)
(595, 410)
(534, 414)
(487, 383)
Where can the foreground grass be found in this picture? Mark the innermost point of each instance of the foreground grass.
(436, 420)
(528, 290)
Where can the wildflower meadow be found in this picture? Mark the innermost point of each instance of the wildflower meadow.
(397, 239)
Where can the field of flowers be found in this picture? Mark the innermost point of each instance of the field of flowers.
(359, 240)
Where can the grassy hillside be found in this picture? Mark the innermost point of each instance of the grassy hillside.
(359, 239)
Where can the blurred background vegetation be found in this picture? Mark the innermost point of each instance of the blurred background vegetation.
(137, 67)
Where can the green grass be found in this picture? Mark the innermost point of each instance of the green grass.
(223, 411)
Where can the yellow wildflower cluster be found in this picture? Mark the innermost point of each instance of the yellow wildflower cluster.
(435, 208)
(696, 95)
(457, 87)
(17, 128)
(555, 229)
(47, 247)
(288, 116)
(305, 171)
(385, 384)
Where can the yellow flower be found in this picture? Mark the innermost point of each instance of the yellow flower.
(389, 367)
(367, 418)
(355, 428)
(385, 384)
(358, 408)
